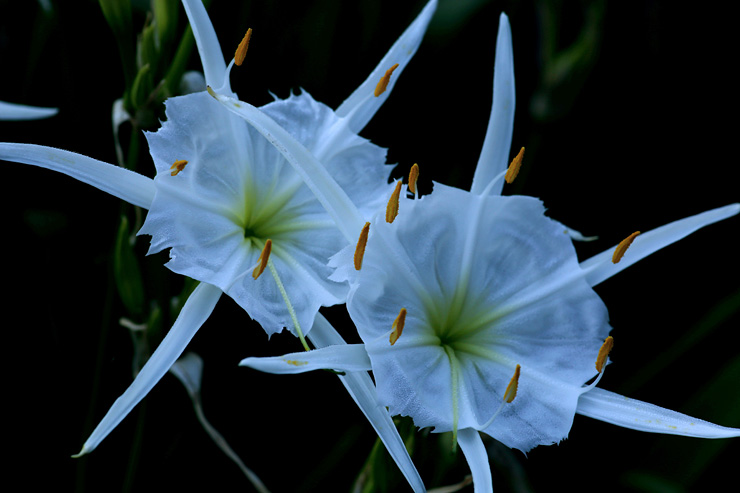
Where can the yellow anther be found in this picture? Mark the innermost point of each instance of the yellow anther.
(603, 353)
(391, 210)
(383, 82)
(241, 50)
(264, 257)
(514, 167)
(413, 177)
(361, 243)
(511, 389)
(178, 166)
(397, 326)
(623, 246)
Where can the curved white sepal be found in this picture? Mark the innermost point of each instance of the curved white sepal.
(362, 104)
(343, 357)
(12, 111)
(494, 157)
(189, 370)
(362, 390)
(132, 187)
(630, 413)
(209, 49)
(194, 313)
(475, 453)
(600, 267)
(327, 191)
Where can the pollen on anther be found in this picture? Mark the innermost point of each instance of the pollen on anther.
(623, 246)
(361, 244)
(603, 353)
(391, 210)
(241, 50)
(264, 257)
(398, 326)
(177, 166)
(383, 82)
(513, 386)
(413, 177)
(514, 167)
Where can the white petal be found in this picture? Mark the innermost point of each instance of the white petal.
(360, 107)
(494, 157)
(630, 413)
(189, 370)
(362, 390)
(132, 187)
(475, 453)
(314, 174)
(12, 111)
(211, 56)
(345, 357)
(194, 313)
(600, 267)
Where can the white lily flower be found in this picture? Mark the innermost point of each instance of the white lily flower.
(223, 193)
(476, 316)
(13, 111)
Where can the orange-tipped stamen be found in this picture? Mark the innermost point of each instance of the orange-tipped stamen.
(264, 257)
(511, 389)
(361, 243)
(178, 166)
(413, 177)
(398, 326)
(514, 167)
(383, 82)
(623, 246)
(241, 50)
(604, 353)
(391, 210)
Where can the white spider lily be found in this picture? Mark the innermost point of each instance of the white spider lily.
(222, 193)
(476, 315)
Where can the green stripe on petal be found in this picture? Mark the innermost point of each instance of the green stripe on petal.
(331, 196)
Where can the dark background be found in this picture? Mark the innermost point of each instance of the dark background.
(641, 134)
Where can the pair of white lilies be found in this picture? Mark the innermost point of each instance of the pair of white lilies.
(474, 311)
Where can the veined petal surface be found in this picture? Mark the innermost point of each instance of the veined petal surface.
(238, 190)
(487, 283)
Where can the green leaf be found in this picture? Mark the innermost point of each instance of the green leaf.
(127, 272)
